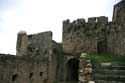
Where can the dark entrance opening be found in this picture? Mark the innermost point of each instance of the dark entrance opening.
(73, 70)
(14, 77)
(101, 47)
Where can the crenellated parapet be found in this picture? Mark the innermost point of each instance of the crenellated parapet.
(82, 24)
(101, 19)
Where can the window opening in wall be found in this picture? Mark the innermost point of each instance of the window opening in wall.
(14, 77)
(31, 75)
(41, 73)
(45, 52)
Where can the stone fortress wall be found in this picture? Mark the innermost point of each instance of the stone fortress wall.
(97, 35)
(40, 59)
(15, 69)
(80, 36)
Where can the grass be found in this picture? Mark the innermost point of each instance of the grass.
(99, 58)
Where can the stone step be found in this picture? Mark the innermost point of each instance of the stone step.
(109, 67)
(109, 77)
(116, 64)
(109, 72)
(109, 64)
(103, 81)
(118, 67)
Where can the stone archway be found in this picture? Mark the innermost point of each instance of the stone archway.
(72, 70)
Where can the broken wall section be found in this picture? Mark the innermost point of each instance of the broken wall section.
(42, 49)
(36, 45)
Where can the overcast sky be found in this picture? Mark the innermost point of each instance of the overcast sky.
(35, 16)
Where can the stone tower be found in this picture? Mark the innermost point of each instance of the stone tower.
(119, 12)
(22, 42)
(115, 30)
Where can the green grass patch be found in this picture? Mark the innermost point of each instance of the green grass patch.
(99, 58)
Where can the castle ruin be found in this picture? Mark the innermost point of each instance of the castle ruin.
(40, 59)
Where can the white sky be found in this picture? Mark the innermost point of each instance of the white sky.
(35, 16)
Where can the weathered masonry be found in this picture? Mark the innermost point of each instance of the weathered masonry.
(97, 35)
(39, 59)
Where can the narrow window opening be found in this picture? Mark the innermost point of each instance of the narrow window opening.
(41, 73)
(31, 75)
(14, 77)
(45, 52)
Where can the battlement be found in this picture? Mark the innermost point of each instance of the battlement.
(101, 19)
(81, 24)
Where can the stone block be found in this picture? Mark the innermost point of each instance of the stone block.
(102, 19)
(81, 20)
(92, 20)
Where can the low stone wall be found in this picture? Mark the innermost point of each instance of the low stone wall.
(109, 73)
(85, 71)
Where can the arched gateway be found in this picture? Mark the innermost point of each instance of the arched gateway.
(72, 68)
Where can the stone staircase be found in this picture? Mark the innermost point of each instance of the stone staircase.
(68, 82)
(109, 73)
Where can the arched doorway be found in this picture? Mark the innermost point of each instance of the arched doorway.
(73, 70)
